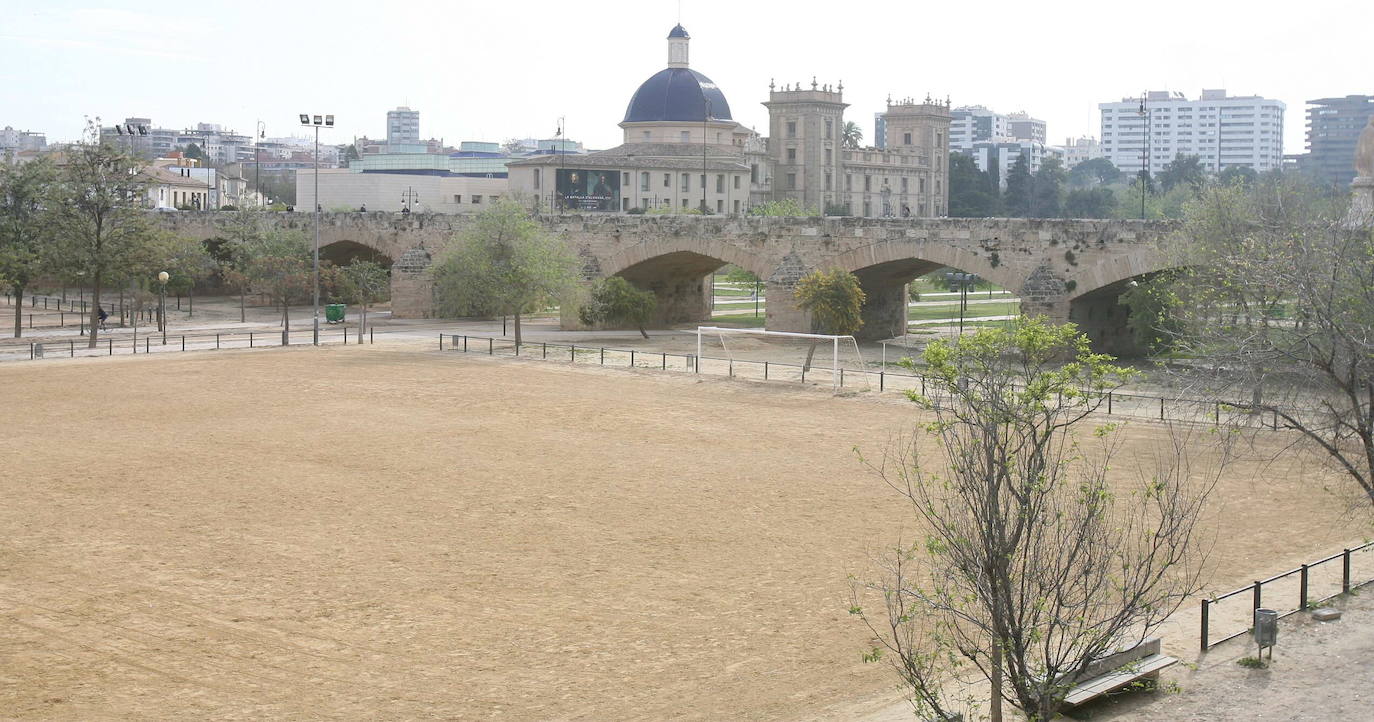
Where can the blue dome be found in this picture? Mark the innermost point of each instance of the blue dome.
(678, 32)
(677, 94)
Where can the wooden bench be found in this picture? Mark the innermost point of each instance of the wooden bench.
(1117, 670)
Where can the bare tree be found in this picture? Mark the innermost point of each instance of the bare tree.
(1036, 558)
(1274, 304)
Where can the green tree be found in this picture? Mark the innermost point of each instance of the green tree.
(1183, 170)
(1234, 174)
(193, 151)
(835, 301)
(278, 264)
(1090, 203)
(616, 301)
(1016, 201)
(186, 260)
(1047, 190)
(100, 231)
(24, 188)
(1037, 558)
(1095, 171)
(503, 263)
(1276, 287)
(851, 135)
(971, 195)
(364, 283)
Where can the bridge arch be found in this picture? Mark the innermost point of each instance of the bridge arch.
(344, 252)
(678, 272)
(884, 269)
(1094, 302)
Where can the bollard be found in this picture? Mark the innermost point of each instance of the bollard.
(369, 336)
(765, 370)
(1302, 588)
(632, 358)
(1161, 408)
(71, 348)
(603, 355)
(544, 349)
(441, 341)
(880, 382)
(1345, 572)
(1205, 604)
(489, 347)
(216, 342)
(665, 361)
(250, 339)
(183, 342)
(572, 353)
(146, 345)
(111, 346)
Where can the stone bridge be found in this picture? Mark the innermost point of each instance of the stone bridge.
(1065, 269)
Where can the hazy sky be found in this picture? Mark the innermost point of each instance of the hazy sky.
(490, 71)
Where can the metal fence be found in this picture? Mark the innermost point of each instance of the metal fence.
(882, 380)
(156, 342)
(1306, 586)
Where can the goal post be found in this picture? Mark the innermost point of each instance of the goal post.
(839, 345)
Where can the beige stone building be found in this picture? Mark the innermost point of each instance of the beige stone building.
(682, 151)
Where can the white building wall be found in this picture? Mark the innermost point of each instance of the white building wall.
(341, 188)
(1222, 131)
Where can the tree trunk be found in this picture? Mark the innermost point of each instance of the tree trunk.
(362, 326)
(191, 297)
(995, 704)
(95, 312)
(517, 329)
(18, 311)
(243, 292)
(643, 333)
(286, 323)
(811, 352)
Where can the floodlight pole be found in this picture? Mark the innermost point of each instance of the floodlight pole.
(306, 120)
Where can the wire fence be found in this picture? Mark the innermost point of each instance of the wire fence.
(44, 310)
(882, 380)
(1300, 588)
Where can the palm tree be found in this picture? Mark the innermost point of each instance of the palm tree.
(851, 135)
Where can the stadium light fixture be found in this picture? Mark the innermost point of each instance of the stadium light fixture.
(315, 121)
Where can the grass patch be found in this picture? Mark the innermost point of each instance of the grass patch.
(748, 320)
(951, 310)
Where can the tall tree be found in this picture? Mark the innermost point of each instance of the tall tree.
(23, 227)
(1233, 174)
(100, 230)
(193, 151)
(851, 135)
(1048, 189)
(615, 300)
(969, 194)
(1090, 203)
(1276, 293)
(1017, 198)
(278, 265)
(1183, 170)
(1038, 557)
(504, 263)
(1094, 171)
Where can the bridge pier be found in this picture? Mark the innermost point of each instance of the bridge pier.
(781, 313)
(1107, 324)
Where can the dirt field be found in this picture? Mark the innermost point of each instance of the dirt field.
(353, 532)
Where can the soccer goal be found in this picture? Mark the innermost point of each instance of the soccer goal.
(781, 355)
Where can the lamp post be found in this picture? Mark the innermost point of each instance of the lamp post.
(408, 199)
(162, 304)
(1144, 113)
(316, 121)
(257, 165)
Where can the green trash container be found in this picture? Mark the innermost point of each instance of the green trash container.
(334, 312)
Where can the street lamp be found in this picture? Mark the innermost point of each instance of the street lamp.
(316, 121)
(257, 165)
(408, 199)
(162, 304)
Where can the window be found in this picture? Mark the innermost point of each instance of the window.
(736, 182)
(791, 181)
(536, 179)
(827, 181)
(868, 184)
(904, 184)
(848, 182)
(791, 129)
(753, 172)
(624, 204)
(868, 209)
(827, 156)
(791, 155)
(921, 185)
(667, 180)
(829, 128)
(625, 180)
(720, 206)
(476, 199)
(644, 182)
(457, 198)
(684, 202)
(720, 183)
(737, 207)
(906, 138)
(495, 198)
(686, 182)
(685, 136)
(703, 181)
(646, 135)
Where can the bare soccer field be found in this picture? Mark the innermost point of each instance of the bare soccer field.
(361, 533)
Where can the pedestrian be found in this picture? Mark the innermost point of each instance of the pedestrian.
(100, 311)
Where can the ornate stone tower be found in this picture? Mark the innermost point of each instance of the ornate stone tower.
(922, 129)
(804, 143)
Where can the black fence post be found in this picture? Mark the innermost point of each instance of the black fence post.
(1109, 402)
(544, 349)
(111, 346)
(572, 353)
(250, 339)
(147, 345)
(71, 348)
(603, 355)
(803, 380)
(632, 358)
(731, 371)
(765, 370)
(1161, 408)
(183, 342)
(1259, 591)
(1217, 413)
(1345, 572)
(465, 344)
(1205, 604)
(1302, 589)
(491, 348)
(216, 342)
(370, 340)
(841, 378)
(665, 361)
(30, 351)
(441, 340)
(881, 382)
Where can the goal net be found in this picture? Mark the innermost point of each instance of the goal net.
(753, 353)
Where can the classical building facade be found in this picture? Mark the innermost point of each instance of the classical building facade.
(682, 151)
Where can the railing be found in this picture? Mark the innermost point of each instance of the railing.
(1310, 577)
(883, 380)
(156, 342)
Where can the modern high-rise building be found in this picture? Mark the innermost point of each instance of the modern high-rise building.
(1333, 128)
(1023, 127)
(1223, 131)
(402, 126)
(973, 124)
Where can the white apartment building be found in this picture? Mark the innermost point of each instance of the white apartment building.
(1077, 150)
(1223, 131)
(974, 123)
(402, 126)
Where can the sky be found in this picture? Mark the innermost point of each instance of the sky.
(489, 71)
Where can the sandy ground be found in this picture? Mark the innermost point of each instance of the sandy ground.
(355, 532)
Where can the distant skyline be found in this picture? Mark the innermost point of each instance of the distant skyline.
(487, 72)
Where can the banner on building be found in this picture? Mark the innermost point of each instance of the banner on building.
(589, 190)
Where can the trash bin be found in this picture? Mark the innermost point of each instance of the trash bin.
(334, 312)
(1266, 627)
